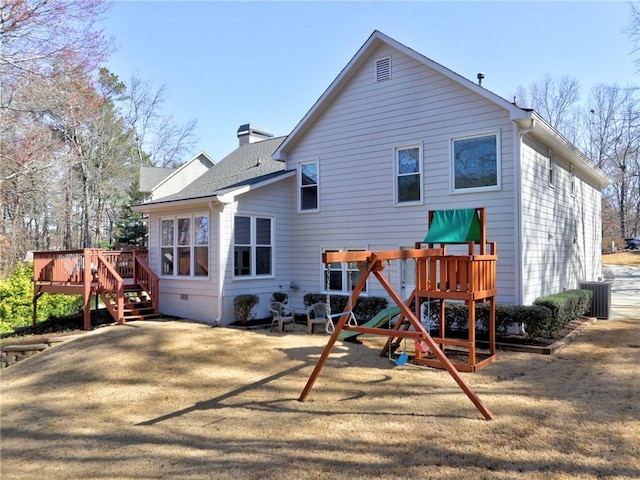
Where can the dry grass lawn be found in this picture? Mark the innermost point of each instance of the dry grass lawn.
(181, 400)
(629, 258)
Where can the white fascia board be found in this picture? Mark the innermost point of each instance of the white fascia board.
(171, 205)
(229, 196)
(564, 147)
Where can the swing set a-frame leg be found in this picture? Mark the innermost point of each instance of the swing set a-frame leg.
(375, 265)
(336, 332)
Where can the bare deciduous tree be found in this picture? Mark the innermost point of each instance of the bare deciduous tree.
(159, 140)
(556, 99)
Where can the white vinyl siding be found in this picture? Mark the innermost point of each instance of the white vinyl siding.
(273, 201)
(354, 138)
(561, 232)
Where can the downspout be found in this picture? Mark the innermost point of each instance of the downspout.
(219, 204)
(518, 213)
(213, 206)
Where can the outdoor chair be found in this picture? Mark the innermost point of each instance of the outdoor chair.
(317, 314)
(282, 316)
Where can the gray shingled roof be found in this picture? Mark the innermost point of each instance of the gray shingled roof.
(152, 176)
(246, 165)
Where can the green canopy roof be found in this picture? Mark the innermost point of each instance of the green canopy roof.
(454, 226)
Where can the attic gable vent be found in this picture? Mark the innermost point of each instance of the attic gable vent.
(383, 69)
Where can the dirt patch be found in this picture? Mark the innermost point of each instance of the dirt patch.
(169, 399)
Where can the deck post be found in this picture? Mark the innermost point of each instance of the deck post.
(87, 288)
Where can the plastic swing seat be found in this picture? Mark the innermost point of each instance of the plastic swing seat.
(421, 346)
(402, 359)
(330, 327)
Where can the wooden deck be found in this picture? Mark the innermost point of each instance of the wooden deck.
(122, 279)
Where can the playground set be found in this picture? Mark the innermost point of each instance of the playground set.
(440, 277)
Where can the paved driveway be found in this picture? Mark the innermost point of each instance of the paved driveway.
(625, 290)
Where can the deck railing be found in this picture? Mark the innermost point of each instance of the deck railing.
(110, 283)
(64, 266)
(93, 271)
(145, 277)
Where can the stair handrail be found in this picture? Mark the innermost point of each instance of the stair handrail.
(109, 281)
(146, 278)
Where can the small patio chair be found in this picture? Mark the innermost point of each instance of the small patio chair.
(282, 316)
(317, 314)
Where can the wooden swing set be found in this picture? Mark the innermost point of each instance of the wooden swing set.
(469, 278)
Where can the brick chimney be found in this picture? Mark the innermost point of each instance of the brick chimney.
(248, 133)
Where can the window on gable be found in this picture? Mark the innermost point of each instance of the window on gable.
(308, 181)
(476, 162)
(572, 181)
(184, 246)
(408, 169)
(252, 246)
(341, 277)
(383, 69)
(552, 170)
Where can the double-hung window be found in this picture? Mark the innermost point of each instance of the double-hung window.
(408, 173)
(184, 248)
(252, 246)
(308, 183)
(476, 162)
(552, 170)
(341, 277)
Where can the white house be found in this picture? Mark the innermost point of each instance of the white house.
(394, 136)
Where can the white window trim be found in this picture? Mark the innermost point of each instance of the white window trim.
(253, 276)
(420, 174)
(192, 245)
(299, 186)
(572, 180)
(552, 171)
(452, 166)
(344, 269)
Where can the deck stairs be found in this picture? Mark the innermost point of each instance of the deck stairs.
(137, 305)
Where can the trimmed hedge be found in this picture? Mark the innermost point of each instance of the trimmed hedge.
(547, 316)
(456, 316)
(364, 310)
(565, 307)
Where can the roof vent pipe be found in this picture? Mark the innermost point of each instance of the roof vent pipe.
(480, 78)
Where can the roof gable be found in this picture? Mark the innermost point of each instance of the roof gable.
(150, 177)
(373, 42)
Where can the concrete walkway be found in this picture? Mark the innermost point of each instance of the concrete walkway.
(625, 290)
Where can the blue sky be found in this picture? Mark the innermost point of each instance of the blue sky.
(266, 63)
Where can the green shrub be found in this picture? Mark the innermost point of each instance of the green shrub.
(536, 318)
(16, 301)
(242, 306)
(565, 307)
(280, 297)
(364, 310)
